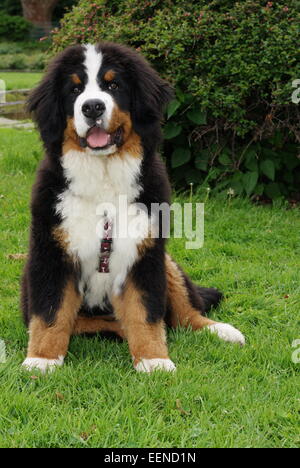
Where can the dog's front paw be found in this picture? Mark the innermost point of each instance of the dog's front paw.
(227, 332)
(42, 364)
(150, 365)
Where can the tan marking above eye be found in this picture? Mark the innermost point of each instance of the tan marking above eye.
(75, 78)
(109, 75)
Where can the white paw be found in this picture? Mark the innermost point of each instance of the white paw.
(42, 364)
(150, 365)
(227, 333)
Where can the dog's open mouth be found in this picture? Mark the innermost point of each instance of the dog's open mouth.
(98, 139)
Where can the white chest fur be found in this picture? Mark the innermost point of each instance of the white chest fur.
(95, 182)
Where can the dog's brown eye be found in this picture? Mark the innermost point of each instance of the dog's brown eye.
(76, 90)
(113, 86)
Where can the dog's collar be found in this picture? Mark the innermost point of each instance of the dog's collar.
(106, 247)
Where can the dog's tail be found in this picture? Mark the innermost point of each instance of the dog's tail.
(211, 297)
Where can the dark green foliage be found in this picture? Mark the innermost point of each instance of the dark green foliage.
(13, 28)
(11, 7)
(232, 64)
(14, 7)
(62, 7)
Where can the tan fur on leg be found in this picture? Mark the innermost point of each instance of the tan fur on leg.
(51, 342)
(182, 312)
(146, 340)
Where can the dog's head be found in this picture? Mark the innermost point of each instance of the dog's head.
(98, 99)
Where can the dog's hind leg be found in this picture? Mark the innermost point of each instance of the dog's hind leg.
(185, 308)
(187, 303)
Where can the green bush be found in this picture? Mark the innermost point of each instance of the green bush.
(27, 55)
(15, 62)
(14, 28)
(35, 62)
(232, 64)
(7, 48)
(24, 47)
(14, 7)
(11, 7)
(62, 7)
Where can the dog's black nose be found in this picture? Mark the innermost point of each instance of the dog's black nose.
(93, 109)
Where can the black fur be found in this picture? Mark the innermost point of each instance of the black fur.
(50, 102)
(210, 296)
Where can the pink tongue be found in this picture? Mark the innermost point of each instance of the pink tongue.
(98, 138)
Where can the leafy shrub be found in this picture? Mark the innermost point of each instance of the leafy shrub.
(24, 47)
(23, 62)
(16, 62)
(7, 48)
(28, 55)
(11, 7)
(14, 7)
(232, 64)
(62, 7)
(14, 28)
(37, 62)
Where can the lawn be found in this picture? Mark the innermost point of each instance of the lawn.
(221, 396)
(20, 80)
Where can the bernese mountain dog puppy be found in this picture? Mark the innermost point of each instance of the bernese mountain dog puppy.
(99, 111)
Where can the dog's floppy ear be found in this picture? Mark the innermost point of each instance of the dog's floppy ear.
(151, 93)
(45, 103)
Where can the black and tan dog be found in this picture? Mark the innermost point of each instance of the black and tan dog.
(99, 111)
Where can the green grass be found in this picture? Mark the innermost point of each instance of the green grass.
(20, 80)
(231, 397)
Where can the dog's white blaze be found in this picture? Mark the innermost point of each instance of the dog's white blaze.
(92, 63)
(227, 332)
(150, 365)
(95, 181)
